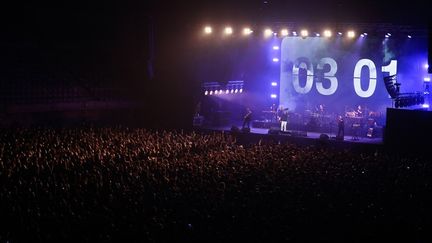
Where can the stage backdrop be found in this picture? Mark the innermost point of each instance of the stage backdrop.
(342, 73)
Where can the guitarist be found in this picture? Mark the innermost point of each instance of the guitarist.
(247, 118)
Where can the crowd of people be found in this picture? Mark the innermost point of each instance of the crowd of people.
(120, 184)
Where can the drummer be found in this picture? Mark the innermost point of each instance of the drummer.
(359, 111)
(320, 109)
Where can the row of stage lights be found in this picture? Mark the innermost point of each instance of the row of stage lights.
(227, 31)
(221, 92)
(412, 100)
(217, 88)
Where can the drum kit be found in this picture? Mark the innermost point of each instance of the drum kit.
(357, 121)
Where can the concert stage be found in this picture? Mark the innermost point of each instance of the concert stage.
(299, 137)
(316, 83)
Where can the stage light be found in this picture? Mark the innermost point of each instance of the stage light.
(220, 91)
(232, 91)
(247, 31)
(216, 92)
(426, 79)
(273, 84)
(426, 66)
(211, 92)
(388, 34)
(228, 30)
(284, 32)
(227, 91)
(236, 91)
(206, 92)
(317, 34)
(294, 33)
(409, 36)
(275, 59)
(240, 90)
(273, 96)
(362, 35)
(365, 34)
(268, 32)
(327, 33)
(351, 34)
(275, 47)
(208, 30)
(304, 33)
(340, 33)
(425, 105)
(274, 34)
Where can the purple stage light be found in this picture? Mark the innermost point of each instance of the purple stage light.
(275, 47)
(425, 105)
(426, 79)
(275, 59)
(273, 84)
(426, 66)
(273, 96)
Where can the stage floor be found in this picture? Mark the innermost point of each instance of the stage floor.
(308, 135)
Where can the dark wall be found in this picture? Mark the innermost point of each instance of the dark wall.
(408, 130)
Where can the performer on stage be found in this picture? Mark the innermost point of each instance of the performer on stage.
(341, 127)
(247, 118)
(198, 109)
(359, 112)
(284, 120)
(320, 114)
(320, 109)
(279, 112)
(274, 113)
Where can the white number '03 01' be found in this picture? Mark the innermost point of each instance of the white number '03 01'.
(304, 63)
